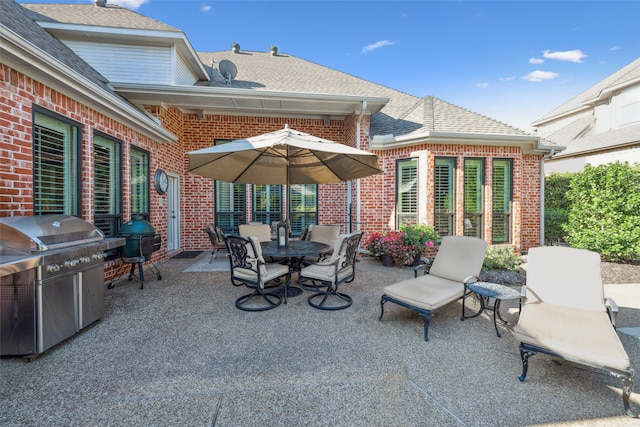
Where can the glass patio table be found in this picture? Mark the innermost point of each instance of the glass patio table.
(294, 252)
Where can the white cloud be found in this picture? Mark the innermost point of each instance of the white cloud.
(482, 85)
(376, 45)
(615, 48)
(536, 60)
(507, 79)
(569, 55)
(539, 76)
(129, 4)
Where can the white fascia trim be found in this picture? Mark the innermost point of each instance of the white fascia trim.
(564, 114)
(205, 92)
(606, 93)
(133, 36)
(30, 58)
(529, 143)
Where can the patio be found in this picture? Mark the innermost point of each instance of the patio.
(179, 353)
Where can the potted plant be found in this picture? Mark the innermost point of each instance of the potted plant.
(418, 237)
(385, 245)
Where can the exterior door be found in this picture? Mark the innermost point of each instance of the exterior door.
(173, 213)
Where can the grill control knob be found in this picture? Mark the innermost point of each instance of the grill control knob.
(85, 259)
(53, 268)
(71, 262)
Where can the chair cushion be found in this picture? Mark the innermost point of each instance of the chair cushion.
(325, 271)
(459, 257)
(579, 335)
(427, 292)
(261, 231)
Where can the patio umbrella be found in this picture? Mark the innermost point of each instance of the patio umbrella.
(286, 156)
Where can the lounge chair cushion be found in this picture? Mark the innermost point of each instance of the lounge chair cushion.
(583, 336)
(426, 292)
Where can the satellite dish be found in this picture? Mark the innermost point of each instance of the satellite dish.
(228, 70)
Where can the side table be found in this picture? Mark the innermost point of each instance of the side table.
(485, 292)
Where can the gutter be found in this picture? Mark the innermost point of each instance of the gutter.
(545, 157)
(349, 195)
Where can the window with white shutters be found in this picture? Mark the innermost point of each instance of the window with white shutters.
(139, 179)
(406, 192)
(502, 194)
(267, 203)
(444, 195)
(231, 202)
(473, 185)
(56, 185)
(303, 209)
(107, 184)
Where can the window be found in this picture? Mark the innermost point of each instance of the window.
(231, 202)
(139, 184)
(56, 178)
(267, 203)
(473, 185)
(107, 185)
(407, 192)
(444, 181)
(303, 206)
(502, 193)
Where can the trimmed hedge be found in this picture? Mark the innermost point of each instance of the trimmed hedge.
(604, 211)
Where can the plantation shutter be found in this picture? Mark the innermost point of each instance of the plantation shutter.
(267, 205)
(407, 192)
(473, 182)
(501, 200)
(55, 166)
(106, 184)
(303, 209)
(444, 196)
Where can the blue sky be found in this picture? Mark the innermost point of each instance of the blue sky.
(513, 61)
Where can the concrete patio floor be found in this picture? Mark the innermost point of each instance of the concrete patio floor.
(178, 353)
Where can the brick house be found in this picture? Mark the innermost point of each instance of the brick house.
(94, 99)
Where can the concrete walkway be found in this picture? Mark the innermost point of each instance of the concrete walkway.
(178, 353)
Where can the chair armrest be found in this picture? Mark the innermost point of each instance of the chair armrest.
(424, 264)
(612, 310)
(470, 279)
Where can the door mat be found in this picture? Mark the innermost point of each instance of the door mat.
(187, 254)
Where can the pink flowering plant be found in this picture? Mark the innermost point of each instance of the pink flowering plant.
(419, 236)
(402, 245)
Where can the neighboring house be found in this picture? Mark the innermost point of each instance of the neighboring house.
(600, 125)
(94, 99)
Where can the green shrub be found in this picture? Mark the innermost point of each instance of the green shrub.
(501, 258)
(604, 213)
(556, 206)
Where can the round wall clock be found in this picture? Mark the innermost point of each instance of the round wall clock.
(161, 181)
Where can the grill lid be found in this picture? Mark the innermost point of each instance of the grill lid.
(46, 232)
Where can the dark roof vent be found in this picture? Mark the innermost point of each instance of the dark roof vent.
(273, 50)
(100, 3)
(235, 47)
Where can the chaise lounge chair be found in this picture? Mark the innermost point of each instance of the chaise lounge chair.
(457, 263)
(564, 314)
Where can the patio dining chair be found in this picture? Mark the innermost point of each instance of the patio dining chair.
(565, 315)
(323, 233)
(261, 231)
(323, 278)
(249, 268)
(216, 236)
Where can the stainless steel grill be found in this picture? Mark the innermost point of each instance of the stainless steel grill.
(52, 280)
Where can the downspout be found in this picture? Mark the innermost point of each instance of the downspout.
(349, 195)
(545, 157)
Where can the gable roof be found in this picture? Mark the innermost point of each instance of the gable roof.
(28, 48)
(625, 76)
(402, 114)
(88, 14)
